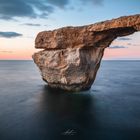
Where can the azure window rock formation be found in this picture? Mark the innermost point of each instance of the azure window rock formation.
(72, 55)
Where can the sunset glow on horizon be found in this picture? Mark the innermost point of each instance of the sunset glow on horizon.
(19, 28)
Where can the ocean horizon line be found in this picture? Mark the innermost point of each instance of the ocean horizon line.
(102, 60)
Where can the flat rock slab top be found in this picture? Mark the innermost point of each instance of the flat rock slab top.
(70, 37)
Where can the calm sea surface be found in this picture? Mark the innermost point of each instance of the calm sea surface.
(29, 110)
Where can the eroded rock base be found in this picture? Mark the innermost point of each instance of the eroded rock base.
(69, 69)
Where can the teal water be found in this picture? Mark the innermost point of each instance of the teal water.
(29, 110)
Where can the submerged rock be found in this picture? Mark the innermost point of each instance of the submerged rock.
(72, 55)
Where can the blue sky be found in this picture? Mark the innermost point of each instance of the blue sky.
(21, 20)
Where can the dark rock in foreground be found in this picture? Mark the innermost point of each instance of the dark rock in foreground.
(72, 55)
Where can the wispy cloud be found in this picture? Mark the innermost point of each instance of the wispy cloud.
(124, 38)
(117, 47)
(131, 44)
(31, 24)
(11, 9)
(10, 34)
(6, 51)
(94, 2)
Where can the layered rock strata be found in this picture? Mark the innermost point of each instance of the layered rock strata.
(72, 55)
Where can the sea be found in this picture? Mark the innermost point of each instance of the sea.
(30, 110)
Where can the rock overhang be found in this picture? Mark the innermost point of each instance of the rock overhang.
(72, 55)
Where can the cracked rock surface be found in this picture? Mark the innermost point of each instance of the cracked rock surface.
(72, 55)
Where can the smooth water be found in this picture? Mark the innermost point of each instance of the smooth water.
(29, 110)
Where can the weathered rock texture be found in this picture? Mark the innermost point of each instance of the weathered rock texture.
(72, 55)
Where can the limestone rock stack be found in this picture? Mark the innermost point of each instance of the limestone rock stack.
(72, 55)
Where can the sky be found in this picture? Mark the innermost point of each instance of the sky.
(21, 20)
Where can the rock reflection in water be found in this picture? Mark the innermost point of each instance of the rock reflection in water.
(65, 114)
